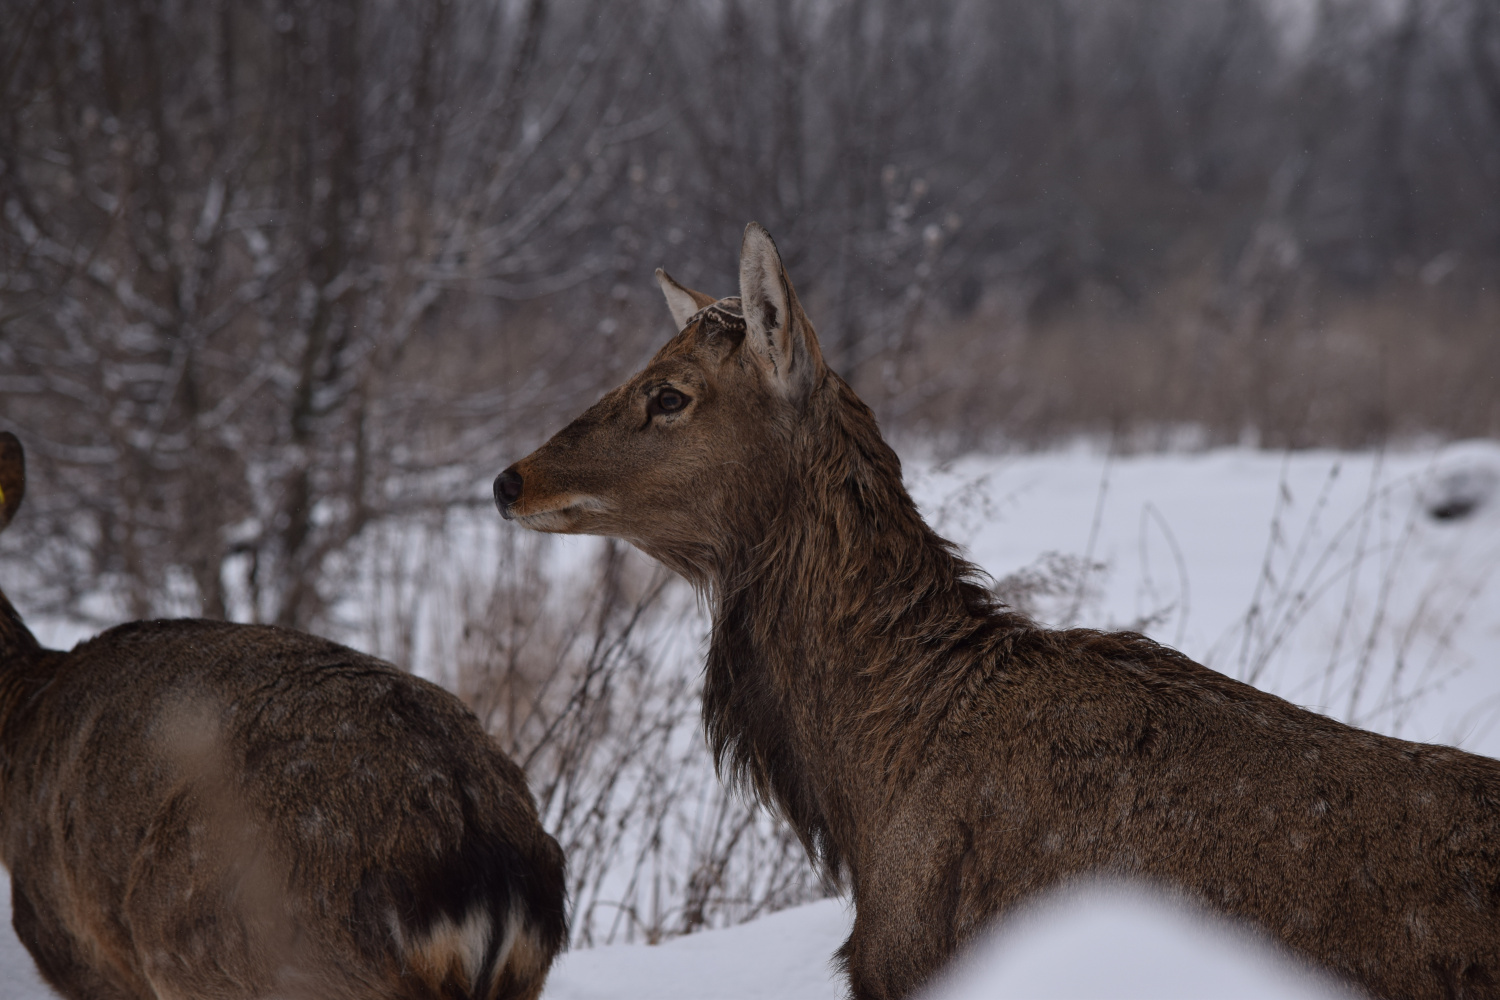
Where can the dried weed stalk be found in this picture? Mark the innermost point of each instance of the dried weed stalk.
(590, 679)
(1393, 641)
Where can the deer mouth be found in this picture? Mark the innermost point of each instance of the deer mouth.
(559, 515)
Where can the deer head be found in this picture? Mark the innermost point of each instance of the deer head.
(684, 455)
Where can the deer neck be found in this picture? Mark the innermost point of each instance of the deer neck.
(832, 633)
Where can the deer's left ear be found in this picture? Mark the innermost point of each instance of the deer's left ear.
(777, 331)
(682, 301)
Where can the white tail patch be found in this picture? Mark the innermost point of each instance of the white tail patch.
(451, 950)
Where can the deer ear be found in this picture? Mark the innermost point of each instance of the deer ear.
(775, 328)
(681, 300)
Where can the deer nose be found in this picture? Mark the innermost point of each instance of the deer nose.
(507, 491)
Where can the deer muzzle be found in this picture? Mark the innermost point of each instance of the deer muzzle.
(507, 491)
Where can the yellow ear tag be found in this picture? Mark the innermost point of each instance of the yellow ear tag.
(2, 495)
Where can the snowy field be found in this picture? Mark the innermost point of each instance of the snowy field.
(1363, 585)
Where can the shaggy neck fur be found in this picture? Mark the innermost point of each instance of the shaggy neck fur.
(846, 638)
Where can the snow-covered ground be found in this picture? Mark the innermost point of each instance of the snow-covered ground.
(1363, 585)
(1116, 941)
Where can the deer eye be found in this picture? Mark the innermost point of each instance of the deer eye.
(666, 401)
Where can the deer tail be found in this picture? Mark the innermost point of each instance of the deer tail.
(486, 925)
(16, 639)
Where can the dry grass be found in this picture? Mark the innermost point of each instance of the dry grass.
(1391, 643)
(1193, 364)
(587, 673)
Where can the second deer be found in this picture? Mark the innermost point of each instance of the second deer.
(196, 809)
(947, 758)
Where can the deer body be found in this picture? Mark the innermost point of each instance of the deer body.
(197, 809)
(947, 758)
(951, 771)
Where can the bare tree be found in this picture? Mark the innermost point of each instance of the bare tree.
(226, 228)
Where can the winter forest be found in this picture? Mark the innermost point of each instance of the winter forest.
(285, 283)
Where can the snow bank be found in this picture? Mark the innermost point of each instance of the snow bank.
(1126, 943)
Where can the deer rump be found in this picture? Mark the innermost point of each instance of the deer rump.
(227, 810)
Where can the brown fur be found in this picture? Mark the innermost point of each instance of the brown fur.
(196, 809)
(948, 758)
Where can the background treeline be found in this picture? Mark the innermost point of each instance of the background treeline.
(270, 271)
(283, 283)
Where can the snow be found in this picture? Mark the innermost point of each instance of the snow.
(1127, 943)
(1107, 940)
(785, 956)
(1325, 577)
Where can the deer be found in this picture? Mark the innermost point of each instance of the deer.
(944, 758)
(203, 809)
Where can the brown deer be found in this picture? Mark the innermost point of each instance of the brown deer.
(196, 809)
(947, 758)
